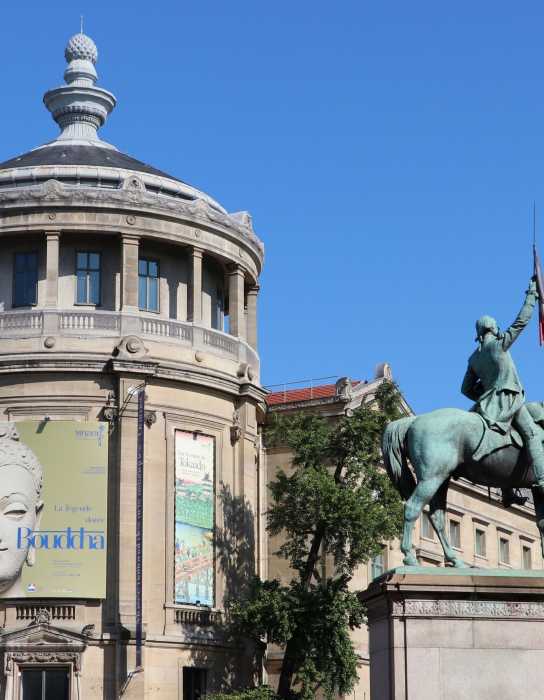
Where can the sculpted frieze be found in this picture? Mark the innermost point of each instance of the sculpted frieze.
(468, 608)
(54, 192)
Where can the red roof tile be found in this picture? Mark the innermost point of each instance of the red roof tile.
(308, 393)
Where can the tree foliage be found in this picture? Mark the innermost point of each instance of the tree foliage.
(262, 692)
(335, 509)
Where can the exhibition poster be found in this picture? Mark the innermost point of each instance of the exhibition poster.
(53, 509)
(194, 518)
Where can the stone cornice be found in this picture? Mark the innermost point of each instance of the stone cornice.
(55, 193)
(177, 372)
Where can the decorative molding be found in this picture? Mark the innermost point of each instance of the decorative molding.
(29, 612)
(469, 608)
(42, 617)
(55, 192)
(42, 657)
(48, 410)
(150, 418)
(236, 427)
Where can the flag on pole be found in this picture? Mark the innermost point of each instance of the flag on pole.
(540, 290)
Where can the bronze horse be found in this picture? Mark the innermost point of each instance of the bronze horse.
(439, 445)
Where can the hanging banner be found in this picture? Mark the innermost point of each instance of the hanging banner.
(194, 515)
(53, 509)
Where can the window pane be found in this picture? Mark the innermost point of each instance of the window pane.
(527, 563)
(153, 291)
(480, 543)
(19, 291)
(152, 268)
(81, 287)
(32, 261)
(142, 267)
(194, 683)
(455, 534)
(32, 685)
(56, 684)
(82, 261)
(19, 262)
(94, 261)
(142, 293)
(94, 287)
(504, 551)
(378, 565)
(426, 526)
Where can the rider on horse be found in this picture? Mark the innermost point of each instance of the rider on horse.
(492, 381)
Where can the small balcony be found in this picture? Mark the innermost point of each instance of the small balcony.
(87, 324)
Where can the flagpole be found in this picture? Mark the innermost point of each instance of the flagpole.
(537, 272)
(534, 224)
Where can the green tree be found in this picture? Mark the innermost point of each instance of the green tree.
(335, 508)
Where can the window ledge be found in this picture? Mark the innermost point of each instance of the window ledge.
(428, 539)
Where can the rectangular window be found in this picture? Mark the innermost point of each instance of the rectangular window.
(194, 683)
(526, 556)
(194, 518)
(148, 285)
(479, 543)
(427, 529)
(504, 550)
(25, 279)
(377, 566)
(455, 534)
(45, 684)
(88, 278)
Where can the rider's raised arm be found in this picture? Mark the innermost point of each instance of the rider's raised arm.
(471, 386)
(523, 318)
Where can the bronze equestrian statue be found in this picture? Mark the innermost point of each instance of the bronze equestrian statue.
(498, 443)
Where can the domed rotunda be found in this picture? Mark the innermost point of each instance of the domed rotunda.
(129, 369)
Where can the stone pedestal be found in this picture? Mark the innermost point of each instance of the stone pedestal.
(447, 634)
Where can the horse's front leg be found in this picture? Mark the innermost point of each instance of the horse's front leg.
(437, 513)
(421, 495)
(538, 498)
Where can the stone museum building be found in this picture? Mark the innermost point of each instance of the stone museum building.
(132, 474)
(119, 282)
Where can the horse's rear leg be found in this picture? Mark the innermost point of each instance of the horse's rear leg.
(538, 498)
(423, 492)
(437, 513)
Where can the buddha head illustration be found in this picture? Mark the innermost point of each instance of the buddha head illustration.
(21, 480)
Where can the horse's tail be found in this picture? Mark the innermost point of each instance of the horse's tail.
(394, 455)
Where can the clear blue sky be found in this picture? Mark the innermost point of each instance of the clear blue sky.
(389, 154)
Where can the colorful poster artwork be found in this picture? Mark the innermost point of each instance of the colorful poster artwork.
(53, 509)
(194, 515)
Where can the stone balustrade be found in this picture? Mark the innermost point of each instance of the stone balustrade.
(113, 324)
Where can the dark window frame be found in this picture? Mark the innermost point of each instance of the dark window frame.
(378, 564)
(194, 681)
(526, 549)
(88, 270)
(44, 668)
(480, 541)
(149, 277)
(15, 303)
(506, 542)
(427, 529)
(455, 526)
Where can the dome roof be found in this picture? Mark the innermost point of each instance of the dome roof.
(60, 154)
(78, 155)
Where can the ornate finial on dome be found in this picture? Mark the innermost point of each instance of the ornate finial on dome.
(80, 108)
(81, 47)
